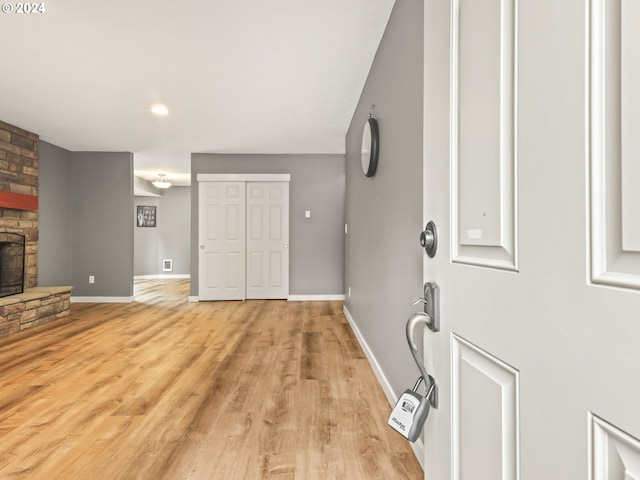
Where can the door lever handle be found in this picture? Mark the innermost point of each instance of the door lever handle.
(428, 321)
(431, 302)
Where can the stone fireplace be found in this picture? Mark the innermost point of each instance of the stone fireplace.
(27, 305)
(11, 263)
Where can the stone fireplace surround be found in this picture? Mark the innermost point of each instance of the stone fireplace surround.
(19, 166)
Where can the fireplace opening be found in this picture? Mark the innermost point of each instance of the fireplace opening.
(11, 263)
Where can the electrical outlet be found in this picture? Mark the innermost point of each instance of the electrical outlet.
(349, 292)
(92, 279)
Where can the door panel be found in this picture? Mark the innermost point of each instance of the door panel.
(629, 38)
(255, 221)
(213, 265)
(222, 241)
(616, 455)
(483, 109)
(233, 216)
(554, 321)
(234, 272)
(276, 275)
(484, 415)
(213, 215)
(615, 143)
(276, 216)
(268, 239)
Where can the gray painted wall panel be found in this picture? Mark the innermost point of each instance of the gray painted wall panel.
(102, 243)
(316, 244)
(61, 198)
(146, 241)
(175, 227)
(170, 239)
(54, 216)
(383, 259)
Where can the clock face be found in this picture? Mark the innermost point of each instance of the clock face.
(369, 151)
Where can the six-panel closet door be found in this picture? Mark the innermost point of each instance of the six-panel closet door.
(267, 240)
(244, 240)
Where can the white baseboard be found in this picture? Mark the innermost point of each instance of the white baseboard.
(102, 299)
(382, 379)
(314, 298)
(161, 276)
(418, 446)
(294, 298)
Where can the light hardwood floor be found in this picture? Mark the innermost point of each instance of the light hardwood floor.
(164, 389)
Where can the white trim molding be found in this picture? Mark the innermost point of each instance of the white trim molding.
(417, 446)
(377, 369)
(102, 299)
(161, 277)
(244, 177)
(314, 298)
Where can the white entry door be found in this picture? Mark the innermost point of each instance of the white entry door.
(267, 240)
(532, 175)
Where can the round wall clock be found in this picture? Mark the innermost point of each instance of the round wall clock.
(370, 144)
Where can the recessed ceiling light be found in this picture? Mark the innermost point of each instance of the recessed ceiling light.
(160, 110)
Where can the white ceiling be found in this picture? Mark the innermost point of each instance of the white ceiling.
(238, 76)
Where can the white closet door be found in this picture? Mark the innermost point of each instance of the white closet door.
(222, 249)
(267, 239)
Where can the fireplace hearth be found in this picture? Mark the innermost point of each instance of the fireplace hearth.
(12, 246)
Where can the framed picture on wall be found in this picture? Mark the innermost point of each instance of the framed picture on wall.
(146, 216)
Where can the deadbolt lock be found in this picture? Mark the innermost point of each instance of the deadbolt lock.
(429, 239)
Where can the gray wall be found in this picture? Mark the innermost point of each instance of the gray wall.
(170, 239)
(102, 240)
(146, 241)
(316, 244)
(54, 216)
(383, 260)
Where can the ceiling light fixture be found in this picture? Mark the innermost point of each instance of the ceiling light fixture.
(160, 110)
(161, 181)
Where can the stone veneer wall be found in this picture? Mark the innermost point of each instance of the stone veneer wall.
(33, 307)
(19, 165)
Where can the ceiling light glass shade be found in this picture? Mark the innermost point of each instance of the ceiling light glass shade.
(161, 182)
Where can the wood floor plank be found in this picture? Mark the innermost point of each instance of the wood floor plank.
(166, 389)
